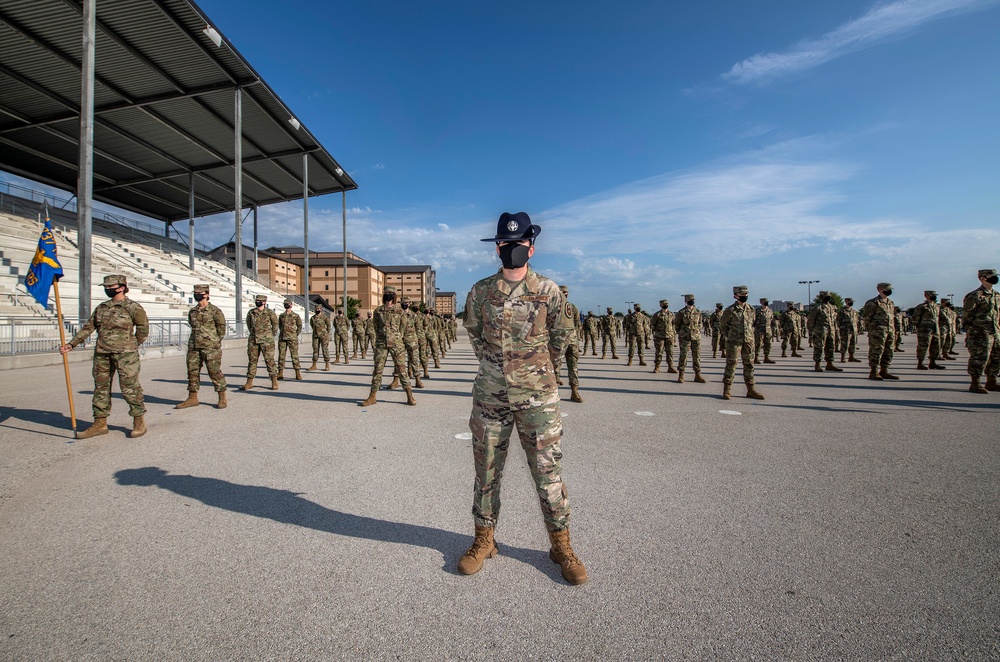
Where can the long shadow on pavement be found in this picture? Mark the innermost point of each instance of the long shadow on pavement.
(921, 404)
(289, 507)
(53, 419)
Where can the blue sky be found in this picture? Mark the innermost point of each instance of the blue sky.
(664, 149)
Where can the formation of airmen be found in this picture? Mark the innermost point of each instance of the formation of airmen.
(416, 339)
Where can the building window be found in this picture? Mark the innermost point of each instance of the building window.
(328, 273)
(326, 287)
(249, 264)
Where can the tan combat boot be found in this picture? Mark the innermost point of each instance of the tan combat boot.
(680, 377)
(574, 394)
(409, 396)
(920, 365)
(656, 367)
(100, 426)
(671, 370)
(715, 354)
(298, 375)
(192, 401)
(437, 364)
(832, 368)
(371, 399)
(817, 368)
(784, 354)
(874, 376)
(975, 387)
(935, 365)
(796, 354)
(698, 378)
(483, 547)
(884, 373)
(991, 384)
(274, 383)
(842, 358)
(281, 374)
(768, 359)
(327, 368)
(727, 391)
(562, 553)
(416, 380)
(395, 382)
(427, 375)
(559, 381)
(346, 362)
(312, 367)
(138, 427)
(753, 393)
(222, 401)
(851, 359)
(642, 363)
(629, 361)
(248, 385)
(336, 359)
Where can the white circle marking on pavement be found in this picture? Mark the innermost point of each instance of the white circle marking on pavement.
(464, 436)
(730, 412)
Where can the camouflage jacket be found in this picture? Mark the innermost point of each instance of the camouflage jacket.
(608, 324)
(575, 312)
(715, 321)
(981, 311)
(663, 324)
(388, 325)
(409, 327)
(121, 327)
(262, 324)
(320, 324)
(736, 325)
(515, 332)
(370, 329)
(340, 325)
(925, 317)
(877, 313)
(358, 327)
(946, 320)
(592, 324)
(418, 324)
(290, 324)
(687, 323)
(762, 320)
(642, 323)
(208, 327)
(822, 316)
(430, 327)
(847, 319)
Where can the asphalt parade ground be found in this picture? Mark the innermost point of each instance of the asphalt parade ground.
(838, 519)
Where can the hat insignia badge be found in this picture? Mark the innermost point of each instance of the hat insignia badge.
(512, 226)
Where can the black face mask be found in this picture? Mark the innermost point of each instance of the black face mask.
(664, 306)
(288, 307)
(933, 298)
(199, 296)
(386, 298)
(993, 280)
(690, 303)
(405, 306)
(111, 293)
(514, 256)
(742, 299)
(827, 299)
(888, 292)
(259, 304)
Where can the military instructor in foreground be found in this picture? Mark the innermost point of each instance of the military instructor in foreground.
(517, 321)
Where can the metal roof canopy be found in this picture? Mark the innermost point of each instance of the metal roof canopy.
(163, 111)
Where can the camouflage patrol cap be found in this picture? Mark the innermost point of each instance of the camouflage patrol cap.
(590, 312)
(288, 302)
(609, 311)
(564, 289)
(719, 305)
(664, 302)
(115, 280)
(824, 293)
(983, 273)
(946, 300)
(741, 290)
(884, 286)
(764, 300)
(688, 297)
(405, 299)
(930, 293)
(848, 300)
(318, 307)
(201, 288)
(389, 289)
(637, 306)
(261, 297)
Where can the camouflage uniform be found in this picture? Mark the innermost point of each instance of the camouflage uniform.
(644, 326)
(262, 324)
(715, 325)
(822, 321)
(847, 323)
(121, 327)
(662, 324)
(737, 328)
(340, 337)
(880, 320)
(411, 343)
(431, 336)
(320, 325)
(687, 323)
(790, 331)
(572, 350)
(925, 321)
(609, 328)
(418, 328)
(634, 333)
(946, 322)
(590, 331)
(981, 318)
(290, 325)
(358, 331)
(208, 328)
(389, 341)
(442, 336)
(762, 332)
(370, 334)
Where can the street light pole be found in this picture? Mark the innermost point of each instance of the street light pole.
(808, 284)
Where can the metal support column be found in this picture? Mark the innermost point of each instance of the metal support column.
(191, 221)
(305, 227)
(256, 271)
(238, 197)
(85, 181)
(343, 208)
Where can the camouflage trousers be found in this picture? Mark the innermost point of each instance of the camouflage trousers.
(605, 339)
(694, 345)
(634, 340)
(433, 350)
(443, 343)
(340, 345)
(292, 347)
(358, 340)
(645, 335)
(925, 341)
(126, 364)
(320, 342)
(382, 353)
(422, 345)
(591, 337)
(369, 342)
(823, 345)
(540, 430)
(664, 349)
(761, 341)
(984, 353)
(881, 343)
(848, 341)
(572, 363)
(211, 359)
(717, 343)
(791, 337)
(947, 342)
(412, 357)
(745, 351)
(254, 350)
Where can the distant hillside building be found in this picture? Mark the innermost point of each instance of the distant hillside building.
(417, 281)
(445, 303)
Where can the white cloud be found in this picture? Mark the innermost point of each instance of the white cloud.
(882, 22)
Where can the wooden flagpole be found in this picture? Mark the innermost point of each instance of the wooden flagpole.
(65, 358)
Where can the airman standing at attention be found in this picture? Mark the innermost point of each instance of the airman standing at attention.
(418, 326)
(790, 330)
(634, 332)
(946, 323)
(847, 322)
(880, 320)
(737, 328)
(822, 320)
(687, 323)
(663, 336)
(926, 318)
(590, 331)
(262, 325)
(208, 328)
(370, 334)
(762, 331)
(609, 329)
(714, 323)
(290, 325)
(899, 326)
(340, 337)
(431, 334)
(320, 325)
(411, 343)
(389, 340)
(981, 318)
(572, 350)
(358, 332)
(121, 326)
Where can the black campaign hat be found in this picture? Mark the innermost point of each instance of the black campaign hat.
(515, 227)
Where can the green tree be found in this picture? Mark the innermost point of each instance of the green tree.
(835, 299)
(352, 306)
